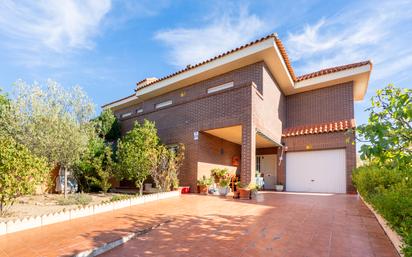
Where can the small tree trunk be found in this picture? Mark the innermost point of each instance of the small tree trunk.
(141, 188)
(65, 182)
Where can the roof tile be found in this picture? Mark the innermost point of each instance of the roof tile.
(335, 126)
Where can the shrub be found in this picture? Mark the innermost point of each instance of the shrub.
(390, 193)
(119, 197)
(20, 172)
(76, 199)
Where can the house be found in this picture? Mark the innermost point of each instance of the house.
(247, 110)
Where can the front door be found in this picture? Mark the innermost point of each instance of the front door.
(267, 167)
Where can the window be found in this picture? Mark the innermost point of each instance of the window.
(220, 87)
(163, 104)
(127, 114)
(139, 110)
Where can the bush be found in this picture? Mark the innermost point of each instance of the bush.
(119, 197)
(76, 199)
(390, 193)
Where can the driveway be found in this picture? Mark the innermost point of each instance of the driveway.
(275, 224)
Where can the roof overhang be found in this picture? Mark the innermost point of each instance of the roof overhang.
(265, 50)
(359, 76)
(234, 134)
(122, 103)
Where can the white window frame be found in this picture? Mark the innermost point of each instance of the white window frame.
(163, 104)
(220, 87)
(140, 110)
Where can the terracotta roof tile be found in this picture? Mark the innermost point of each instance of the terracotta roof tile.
(283, 53)
(328, 127)
(189, 67)
(331, 70)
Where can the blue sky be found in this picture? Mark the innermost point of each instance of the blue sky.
(107, 46)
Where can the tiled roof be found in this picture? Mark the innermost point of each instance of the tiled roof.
(284, 56)
(335, 126)
(189, 67)
(332, 70)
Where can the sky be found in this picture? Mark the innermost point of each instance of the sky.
(107, 46)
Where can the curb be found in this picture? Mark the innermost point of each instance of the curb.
(393, 236)
(111, 245)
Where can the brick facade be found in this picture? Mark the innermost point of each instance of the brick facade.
(257, 104)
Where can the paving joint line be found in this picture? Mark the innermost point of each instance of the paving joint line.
(113, 244)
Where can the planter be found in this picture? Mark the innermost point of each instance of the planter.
(244, 193)
(223, 191)
(202, 189)
(279, 188)
(184, 189)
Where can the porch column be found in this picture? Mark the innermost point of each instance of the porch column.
(248, 158)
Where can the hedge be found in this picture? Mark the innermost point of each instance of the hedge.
(389, 191)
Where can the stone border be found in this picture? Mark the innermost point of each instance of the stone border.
(111, 245)
(12, 226)
(393, 236)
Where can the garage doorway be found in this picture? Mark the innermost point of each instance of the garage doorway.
(316, 171)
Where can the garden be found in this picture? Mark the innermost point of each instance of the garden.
(385, 179)
(51, 141)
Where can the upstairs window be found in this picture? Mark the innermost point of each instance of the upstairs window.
(163, 104)
(220, 87)
(125, 115)
(139, 110)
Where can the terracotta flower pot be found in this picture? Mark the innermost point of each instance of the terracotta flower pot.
(202, 189)
(244, 193)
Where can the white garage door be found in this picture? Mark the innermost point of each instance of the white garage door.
(316, 171)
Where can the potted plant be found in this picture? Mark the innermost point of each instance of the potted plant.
(243, 190)
(279, 187)
(218, 173)
(224, 185)
(203, 185)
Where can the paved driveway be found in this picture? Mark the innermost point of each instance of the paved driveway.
(275, 224)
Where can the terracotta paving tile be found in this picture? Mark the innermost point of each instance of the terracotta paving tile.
(273, 225)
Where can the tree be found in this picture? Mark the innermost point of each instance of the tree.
(134, 153)
(107, 125)
(7, 123)
(53, 122)
(96, 166)
(20, 171)
(388, 133)
(167, 163)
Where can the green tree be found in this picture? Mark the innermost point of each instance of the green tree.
(53, 122)
(388, 133)
(20, 171)
(96, 166)
(166, 166)
(107, 125)
(134, 153)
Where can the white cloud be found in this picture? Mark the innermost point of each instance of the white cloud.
(48, 25)
(224, 31)
(378, 31)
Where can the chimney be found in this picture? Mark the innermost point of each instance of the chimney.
(145, 82)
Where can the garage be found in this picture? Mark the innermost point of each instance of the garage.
(316, 171)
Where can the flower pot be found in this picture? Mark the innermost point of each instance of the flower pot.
(244, 193)
(202, 189)
(184, 189)
(279, 188)
(223, 191)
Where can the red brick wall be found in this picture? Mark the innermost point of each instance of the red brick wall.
(199, 111)
(322, 105)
